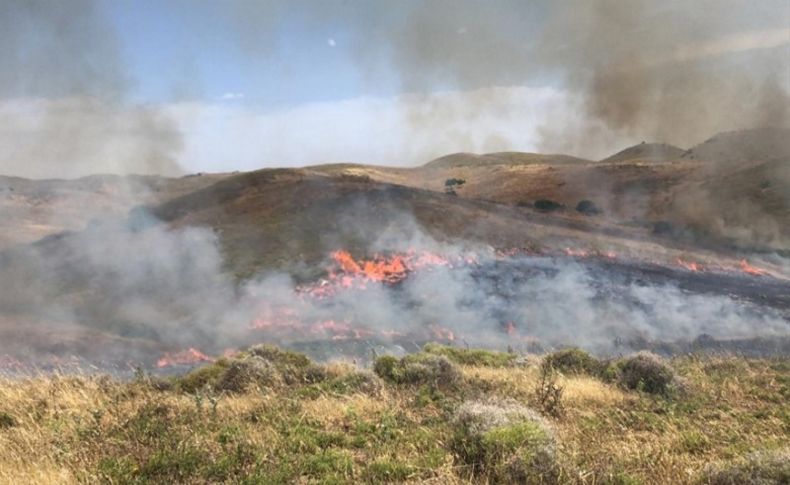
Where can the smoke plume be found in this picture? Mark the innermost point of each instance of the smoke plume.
(64, 104)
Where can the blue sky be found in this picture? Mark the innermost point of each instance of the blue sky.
(179, 51)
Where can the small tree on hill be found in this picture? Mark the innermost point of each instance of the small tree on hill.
(451, 184)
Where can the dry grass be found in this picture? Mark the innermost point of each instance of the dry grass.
(61, 429)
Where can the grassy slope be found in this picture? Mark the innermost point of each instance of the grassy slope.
(60, 429)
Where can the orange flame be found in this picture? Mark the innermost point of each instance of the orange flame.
(185, 357)
(442, 333)
(690, 265)
(752, 270)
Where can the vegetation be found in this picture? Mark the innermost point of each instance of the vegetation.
(588, 208)
(547, 205)
(443, 415)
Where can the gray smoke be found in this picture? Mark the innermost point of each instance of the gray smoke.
(64, 107)
(154, 288)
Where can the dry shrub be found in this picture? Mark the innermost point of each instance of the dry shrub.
(574, 361)
(244, 373)
(548, 393)
(757, 468)
(646, 372)
(418, 369)
(505, 442)
(361, 381)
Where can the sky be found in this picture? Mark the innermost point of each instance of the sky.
(181, 86)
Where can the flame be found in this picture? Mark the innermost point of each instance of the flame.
(190, 356)
(442, 333)
(752, 270)
(577, 253)
(690, 265)
(347, 273)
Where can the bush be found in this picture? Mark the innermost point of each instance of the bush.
(504, 443)
(243, 373)
(279, 357)
(547, 205)
(6, 420)
(476, 357)
(548, 393)
(758, 468)
(422, 368)
(202, 376)
(574, 361)
(646, 372)
(364, 382)
(588, 208)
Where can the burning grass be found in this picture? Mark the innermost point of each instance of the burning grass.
(338, 423)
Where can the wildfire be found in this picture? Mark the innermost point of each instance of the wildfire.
(190, 356)
(752, 270)
(690, 265)
(442, 333)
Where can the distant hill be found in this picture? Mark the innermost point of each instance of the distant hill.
(762, 144)
(501, 158)
(653, 152)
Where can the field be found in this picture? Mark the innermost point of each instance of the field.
(444, 415)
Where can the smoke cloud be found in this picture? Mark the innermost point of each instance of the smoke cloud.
(64, 105)
(154, 288)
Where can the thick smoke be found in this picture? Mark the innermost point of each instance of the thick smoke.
(142, 288)
(674, 72)
(64, 108)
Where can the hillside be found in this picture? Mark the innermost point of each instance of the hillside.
(654, 152)
(456, 417)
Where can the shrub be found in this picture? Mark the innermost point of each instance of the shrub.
(504, 443)
(548, 393)
(6, 420)
(588, 208)
(574, 361)
(364, 382)
(290, 365)
(476, 357)
(547, 205)
(315, 373)
(202, 376)
(422, 368)
(279, 357)
(243, 373)
(646, 372)
(386, 367)
(757, 468)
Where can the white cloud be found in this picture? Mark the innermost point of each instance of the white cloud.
(406, 130)
(231, 96)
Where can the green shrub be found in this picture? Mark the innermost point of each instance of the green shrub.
(504, 443)
(6, 420)
(246, 372)
(386, 367)
(291, 366)
(208, 375)
(475, 357)
(758, 468)
(364, 382)
(646, 372)
(279, 357)
(574, 361)
(416, 369)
